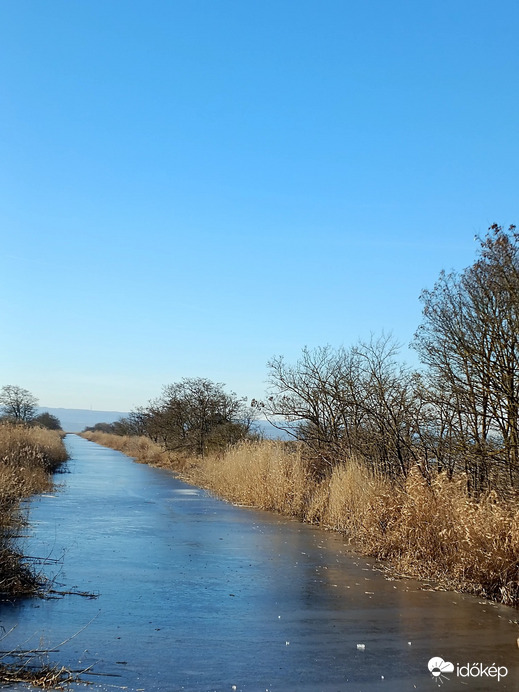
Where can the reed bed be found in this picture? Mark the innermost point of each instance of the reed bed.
(27, 457)
(269, 475)
(430, 530)
(142, 449)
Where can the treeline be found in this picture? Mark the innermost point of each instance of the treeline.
(19, 406)
(458, 414)
(417, 468)
(192, 417)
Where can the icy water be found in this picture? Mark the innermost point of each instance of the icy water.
(195, 594)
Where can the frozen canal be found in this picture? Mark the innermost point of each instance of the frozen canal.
(198, 595)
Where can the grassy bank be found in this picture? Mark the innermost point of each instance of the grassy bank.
(27, 457)
(431, 531)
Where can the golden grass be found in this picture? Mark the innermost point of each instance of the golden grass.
(269, 475)
(431, 531)
(142, 449)
(24, 447)
(27, 456)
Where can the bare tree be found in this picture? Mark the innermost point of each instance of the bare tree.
(348, 402)
(17, 404)
(391, 405)
(193, 416)
(301, 400)
(469, 340)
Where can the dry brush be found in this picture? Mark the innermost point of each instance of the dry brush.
(27, 457)
(428, 529)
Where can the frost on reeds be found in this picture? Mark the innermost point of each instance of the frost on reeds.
(45, 677)
(27, 456)
(32, 667)
(428, 529)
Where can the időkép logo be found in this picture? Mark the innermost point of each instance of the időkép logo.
(439, 669)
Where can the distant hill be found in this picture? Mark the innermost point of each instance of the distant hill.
(77, 419)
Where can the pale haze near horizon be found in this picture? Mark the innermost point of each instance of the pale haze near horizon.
(190, 188)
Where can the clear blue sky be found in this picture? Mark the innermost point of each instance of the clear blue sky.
(190, 187)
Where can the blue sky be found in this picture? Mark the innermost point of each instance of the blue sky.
(188, 188)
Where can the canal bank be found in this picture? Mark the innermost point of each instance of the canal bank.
(196, 594)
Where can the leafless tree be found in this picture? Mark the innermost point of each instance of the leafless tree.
(469, 341)
(17, 404)
(193, 416)
(348, 402)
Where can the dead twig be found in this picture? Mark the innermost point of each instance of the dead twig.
(85, 594)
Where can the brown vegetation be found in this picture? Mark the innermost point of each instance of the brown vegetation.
(458, 414)
(27, 456)
(140, 448)
(193, 417)
(431, 530)
(45, 677)
(418, 468)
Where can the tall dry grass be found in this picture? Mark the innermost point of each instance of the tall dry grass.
(431, 531)
(27, 457)
(142, 449)
(270, 475)
(428, 530)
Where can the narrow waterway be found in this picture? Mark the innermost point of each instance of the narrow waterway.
(195, 594)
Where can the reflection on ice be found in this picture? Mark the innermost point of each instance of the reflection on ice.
(197, 594)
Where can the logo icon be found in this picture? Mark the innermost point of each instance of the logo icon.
(438, 667)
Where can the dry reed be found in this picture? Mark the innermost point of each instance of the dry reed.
(45, 677)
(142, 449)
(27, 456)
(428, 530)
(269, 475)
